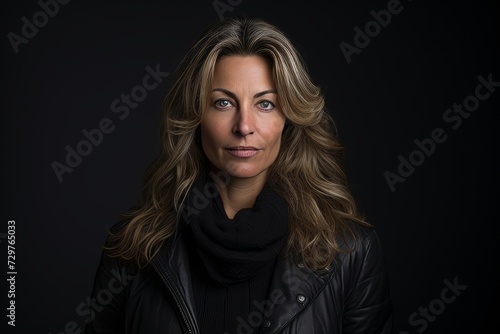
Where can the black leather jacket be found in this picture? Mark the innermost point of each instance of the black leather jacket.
(350, 296)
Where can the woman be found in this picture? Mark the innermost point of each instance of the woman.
(245, 223)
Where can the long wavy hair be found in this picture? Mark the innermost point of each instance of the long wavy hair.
(308, 171)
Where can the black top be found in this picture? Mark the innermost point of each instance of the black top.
(222, 308)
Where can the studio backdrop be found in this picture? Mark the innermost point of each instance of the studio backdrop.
(413, 87)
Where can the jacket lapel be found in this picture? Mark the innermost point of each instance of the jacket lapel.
(292, 288)
(172, 264)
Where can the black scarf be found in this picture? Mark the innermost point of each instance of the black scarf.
(234, 250)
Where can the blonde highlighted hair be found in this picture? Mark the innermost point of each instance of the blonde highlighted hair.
(308, 171)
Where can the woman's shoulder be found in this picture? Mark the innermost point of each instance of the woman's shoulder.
(358, 236)
(110, 259)
(363, 250)
(359, 244)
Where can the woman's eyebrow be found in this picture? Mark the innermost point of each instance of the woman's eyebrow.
(231, 94)
(269, 91)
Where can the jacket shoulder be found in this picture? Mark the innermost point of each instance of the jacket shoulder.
(364, 255)
(358, 237)
(365, 285)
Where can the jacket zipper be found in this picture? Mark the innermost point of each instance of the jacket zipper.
(165, 277)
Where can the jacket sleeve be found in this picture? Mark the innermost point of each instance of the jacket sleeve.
(368, 307)
(109, 297)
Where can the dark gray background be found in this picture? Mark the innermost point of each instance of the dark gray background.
(439, 224)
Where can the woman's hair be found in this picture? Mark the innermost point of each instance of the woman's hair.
(308, 171)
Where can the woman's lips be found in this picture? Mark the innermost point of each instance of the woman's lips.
(243, 151)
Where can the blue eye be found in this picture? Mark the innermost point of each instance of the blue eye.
(222, 104)
(266, 105)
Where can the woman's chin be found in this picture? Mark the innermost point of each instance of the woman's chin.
(244, 171)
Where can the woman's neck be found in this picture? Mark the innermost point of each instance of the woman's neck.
(240, 193)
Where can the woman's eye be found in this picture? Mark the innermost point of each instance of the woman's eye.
(266, 105)
(222, 103)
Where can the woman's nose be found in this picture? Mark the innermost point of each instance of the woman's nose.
(245, 122)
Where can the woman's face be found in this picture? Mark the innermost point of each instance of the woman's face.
(241, 128)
